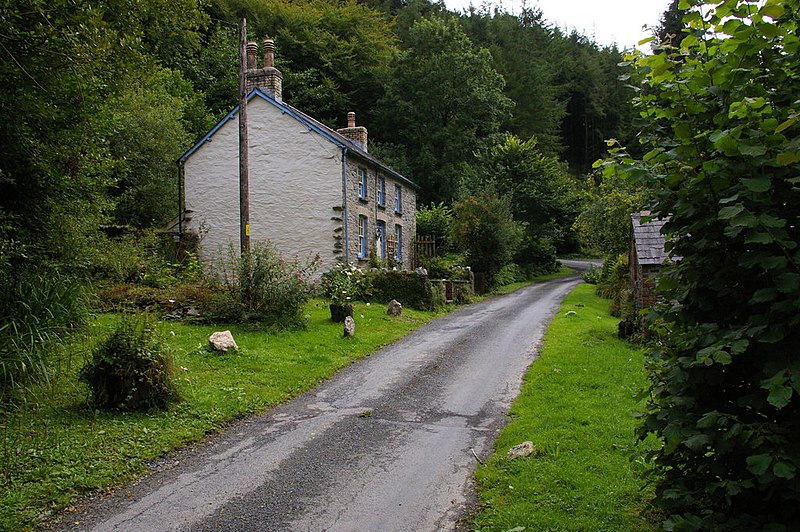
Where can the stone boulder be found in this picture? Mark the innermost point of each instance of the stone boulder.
(522, 450)
(222, 341)
(394, 308)
(349, 326)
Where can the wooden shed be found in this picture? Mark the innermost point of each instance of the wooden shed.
(647, 256)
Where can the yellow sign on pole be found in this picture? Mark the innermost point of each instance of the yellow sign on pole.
(247, 229)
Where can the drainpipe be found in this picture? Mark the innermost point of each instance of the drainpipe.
(179, 164)
(344, 203)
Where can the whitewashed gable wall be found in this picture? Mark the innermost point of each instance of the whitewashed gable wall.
(295, 187)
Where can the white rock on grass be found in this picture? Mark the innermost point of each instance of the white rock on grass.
(349, 326)
(522, 450)
(223, 341)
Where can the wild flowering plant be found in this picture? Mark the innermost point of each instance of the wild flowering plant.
(343, 283)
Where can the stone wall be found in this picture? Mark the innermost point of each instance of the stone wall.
(369, 207)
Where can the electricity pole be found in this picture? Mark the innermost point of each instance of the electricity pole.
(244, 180)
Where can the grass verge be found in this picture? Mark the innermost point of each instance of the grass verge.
(55, 448)
(577, 406)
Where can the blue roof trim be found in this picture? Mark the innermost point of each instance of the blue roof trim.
(207, 136)
(312, 124)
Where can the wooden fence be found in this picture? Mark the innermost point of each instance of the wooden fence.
(423, 247)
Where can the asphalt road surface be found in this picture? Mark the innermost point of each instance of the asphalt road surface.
(389, 444)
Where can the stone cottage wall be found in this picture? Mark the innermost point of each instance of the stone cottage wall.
(369, 207)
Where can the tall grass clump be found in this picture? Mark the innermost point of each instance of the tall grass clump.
(261, 286)
(37, 311)
(131, 370)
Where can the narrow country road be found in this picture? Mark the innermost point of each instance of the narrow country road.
(385, 445)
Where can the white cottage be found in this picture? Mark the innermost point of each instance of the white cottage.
(313, 190)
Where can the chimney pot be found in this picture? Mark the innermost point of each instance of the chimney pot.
(351, 119)
(252, 50)
(269, 53)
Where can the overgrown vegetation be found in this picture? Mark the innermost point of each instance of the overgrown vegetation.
(576, 406)
(36, 314)
(131, 369)
(261, 286)
(723, 162)
(484, 228)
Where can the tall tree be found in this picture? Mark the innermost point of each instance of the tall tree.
(724, 161)
(520, 48)
(670, 27)
(335, 56)
(541, 194)
(62, 60)
(443, 103)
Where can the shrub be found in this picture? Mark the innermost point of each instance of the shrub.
(721, 139)
(435, 221)
(445, 267)
(537, 255)
(508, 274)
(615, 284)
(131, 370)
(37, 311)
(593, 275)
(261, 286)
(484, 230)
(144, 258)
(408, 288)
(344, 283)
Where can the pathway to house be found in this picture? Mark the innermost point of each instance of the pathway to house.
(389, 444)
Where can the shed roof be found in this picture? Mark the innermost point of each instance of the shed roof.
(648, 239)
(312, 124)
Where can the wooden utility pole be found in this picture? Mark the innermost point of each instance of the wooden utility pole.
(244, 180)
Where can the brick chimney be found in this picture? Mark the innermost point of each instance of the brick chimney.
(268, 78)
(357, 134)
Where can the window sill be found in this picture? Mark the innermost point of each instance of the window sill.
(363, 200)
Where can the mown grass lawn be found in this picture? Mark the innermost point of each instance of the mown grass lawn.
(55, 448)
(577, 406)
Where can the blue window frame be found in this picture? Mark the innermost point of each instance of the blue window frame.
(380, 233)
(362, 237)
(398, 198)
(381, 192)
(362, 184)
(398, 244)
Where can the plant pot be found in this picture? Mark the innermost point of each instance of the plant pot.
(340, 312)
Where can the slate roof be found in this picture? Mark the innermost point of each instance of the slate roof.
(312, 124)
(648, 240)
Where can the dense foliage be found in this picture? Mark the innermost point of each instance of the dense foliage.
(604, 224)
(261, 286)
(36, 313)
(724, 161)
(131, 370)
(444, 102)
(485, 230)
(541, 195)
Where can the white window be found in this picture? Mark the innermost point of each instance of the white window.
(398, 198)
(381, 192)
(362, 184)
(362, 237)
(398, 244)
